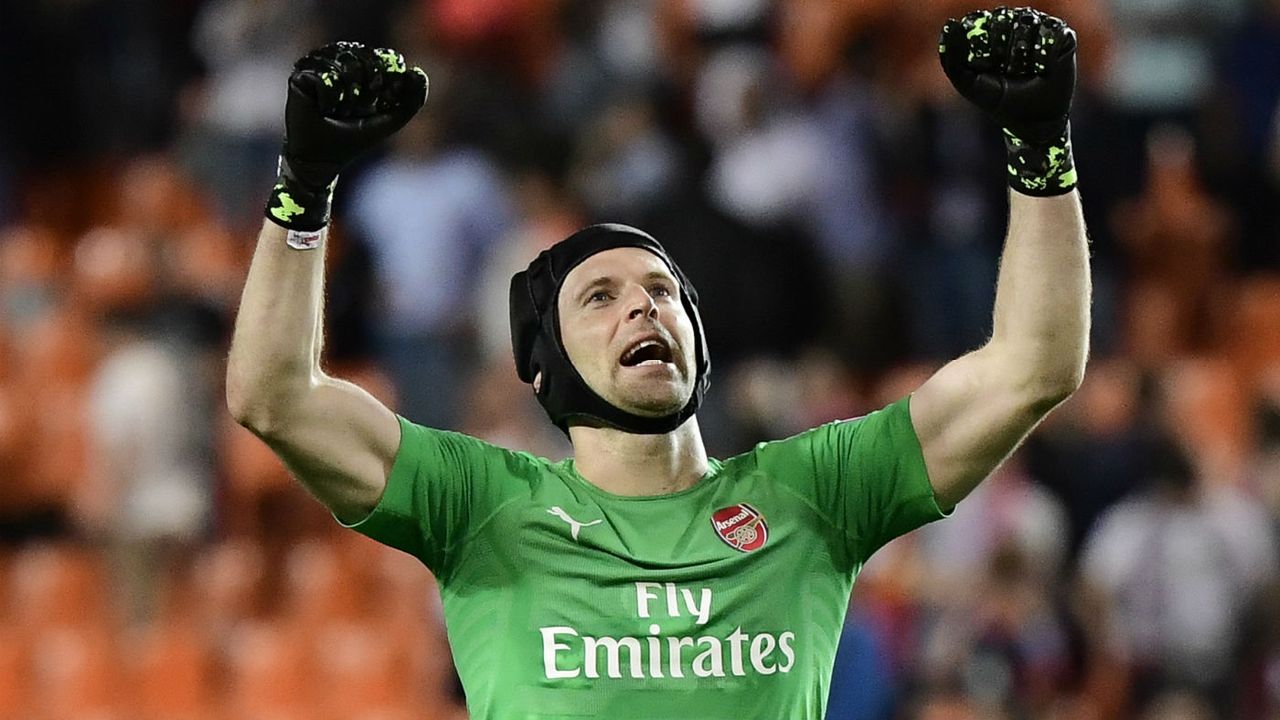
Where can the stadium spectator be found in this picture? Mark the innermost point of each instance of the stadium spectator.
(233, 113)
(1173, 569)
(147, 492)
(430, 199)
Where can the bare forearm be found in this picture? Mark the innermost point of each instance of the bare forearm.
(1041, 322)
(275, 348)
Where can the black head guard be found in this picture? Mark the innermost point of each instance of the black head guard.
(535, 333)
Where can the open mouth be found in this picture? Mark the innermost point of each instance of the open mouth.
(646, 352)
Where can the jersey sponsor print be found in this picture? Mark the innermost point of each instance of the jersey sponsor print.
(568, 652)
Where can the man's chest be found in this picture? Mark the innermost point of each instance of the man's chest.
(728, 584)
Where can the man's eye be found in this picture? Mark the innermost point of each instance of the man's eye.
(598, 296)
(660, 291)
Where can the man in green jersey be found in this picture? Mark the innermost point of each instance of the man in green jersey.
(643, 579)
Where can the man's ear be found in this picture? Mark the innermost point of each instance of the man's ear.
(537, 382)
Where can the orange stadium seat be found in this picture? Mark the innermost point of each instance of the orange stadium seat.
(207, 261)
(268, 668)
(319, 586)
(228, 582)
(154, 196)
(60, 607)
(15, 674)
(170, 672)
(13, 434)
(56, 360)
(1254, 340)
(58, 586)
(76, 674)
(359, 670)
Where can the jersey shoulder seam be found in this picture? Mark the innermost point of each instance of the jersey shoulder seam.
(472, 532)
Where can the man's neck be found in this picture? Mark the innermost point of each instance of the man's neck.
(630, 464)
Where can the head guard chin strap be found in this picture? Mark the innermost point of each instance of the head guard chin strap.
(535, 334)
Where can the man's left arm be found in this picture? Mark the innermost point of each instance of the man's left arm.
(978, 408)
(1019, 66)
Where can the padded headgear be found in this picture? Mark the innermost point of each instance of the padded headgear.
(535, 333)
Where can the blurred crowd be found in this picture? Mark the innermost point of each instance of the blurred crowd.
(841, 212)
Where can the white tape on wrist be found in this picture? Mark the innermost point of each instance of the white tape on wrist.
(304, 239)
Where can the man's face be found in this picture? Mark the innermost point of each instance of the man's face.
(627, 333)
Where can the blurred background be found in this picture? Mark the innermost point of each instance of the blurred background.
(841, 211)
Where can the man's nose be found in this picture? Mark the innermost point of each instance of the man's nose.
(642, 303)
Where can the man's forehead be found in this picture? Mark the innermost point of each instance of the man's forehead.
(618, 263)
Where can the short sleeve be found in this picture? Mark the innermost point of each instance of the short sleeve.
(867, 476)
(441, 482)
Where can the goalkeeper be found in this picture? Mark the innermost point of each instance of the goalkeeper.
(641, 578)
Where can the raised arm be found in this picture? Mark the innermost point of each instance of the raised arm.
(333, 436)
(1019, 65)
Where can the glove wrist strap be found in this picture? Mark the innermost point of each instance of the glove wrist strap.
(1041, 169)
(297, 206)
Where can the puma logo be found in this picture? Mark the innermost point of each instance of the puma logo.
(574, 525)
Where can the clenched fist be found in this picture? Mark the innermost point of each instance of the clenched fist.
(343, 99)
(1019, 66)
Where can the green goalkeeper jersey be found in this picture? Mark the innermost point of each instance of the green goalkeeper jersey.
(725, 600)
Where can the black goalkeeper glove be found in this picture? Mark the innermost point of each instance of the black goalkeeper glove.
(344, 98)
(1019, 65)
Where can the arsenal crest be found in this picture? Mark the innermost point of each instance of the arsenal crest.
(741, 526)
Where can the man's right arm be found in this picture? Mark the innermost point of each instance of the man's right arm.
(333, 436)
